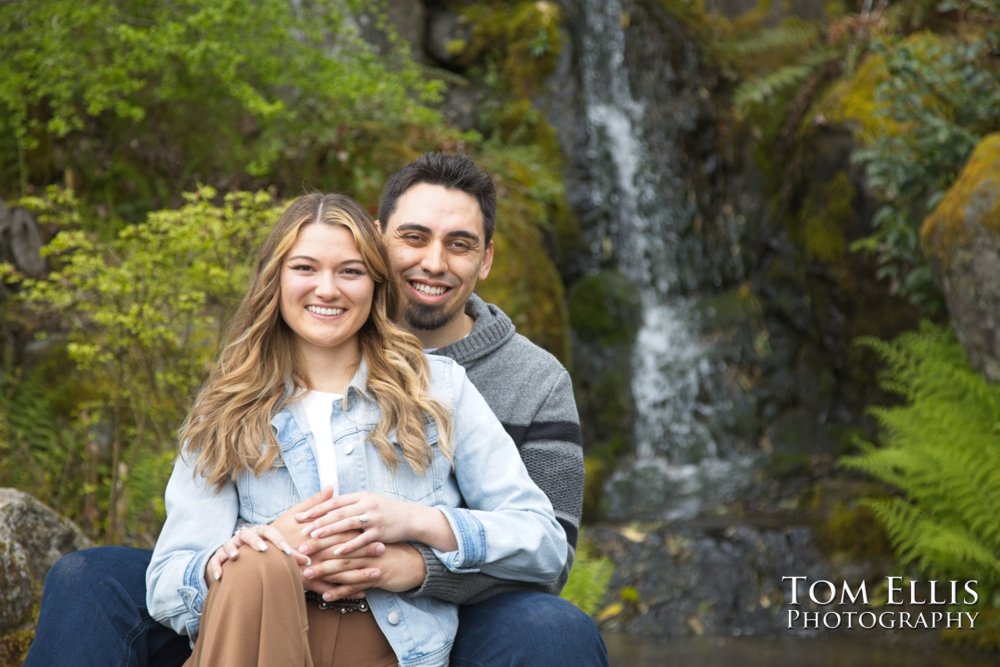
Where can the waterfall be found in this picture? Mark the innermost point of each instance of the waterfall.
(643, 230)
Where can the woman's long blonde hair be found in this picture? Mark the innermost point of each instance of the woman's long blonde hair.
(229, 427)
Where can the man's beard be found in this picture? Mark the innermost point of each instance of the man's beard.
(427, 318)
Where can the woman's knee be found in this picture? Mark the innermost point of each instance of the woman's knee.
(260, 567)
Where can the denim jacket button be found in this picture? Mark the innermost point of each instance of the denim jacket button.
(349, 448)
(394, 618)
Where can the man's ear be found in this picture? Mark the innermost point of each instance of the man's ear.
(484, 270)
(380, 226)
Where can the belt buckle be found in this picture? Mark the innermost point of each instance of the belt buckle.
(345, 606)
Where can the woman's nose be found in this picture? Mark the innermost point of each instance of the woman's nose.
(326, 286)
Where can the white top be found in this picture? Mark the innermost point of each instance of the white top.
(314, 410)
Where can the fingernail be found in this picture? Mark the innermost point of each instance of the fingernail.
(337, 551)
(304, 531)
(300, 517)
(262, 547)
(233, 554)
(302, 548)
(309, 561)
(308, 573)
(218, 575)
(315, 533)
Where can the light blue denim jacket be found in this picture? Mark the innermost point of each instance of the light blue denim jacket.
(504, 524)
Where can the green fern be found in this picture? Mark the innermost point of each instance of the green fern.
(941, 449)
(761, 88)
(791, 35)
(588, 580)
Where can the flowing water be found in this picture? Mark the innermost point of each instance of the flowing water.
(642, 226)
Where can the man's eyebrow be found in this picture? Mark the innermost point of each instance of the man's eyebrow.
(413, 227)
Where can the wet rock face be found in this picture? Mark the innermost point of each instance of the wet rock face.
(693, 580)
(961, 239)
(32, 539)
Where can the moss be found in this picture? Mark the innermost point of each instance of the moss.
(605, 309)
(825, 219)
(531, 210)
(525, 283)
(14, 646)
(978, 184)
(844, 527)
(524, 39)
(852, 102)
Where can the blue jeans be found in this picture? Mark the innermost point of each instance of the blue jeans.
(93, 613)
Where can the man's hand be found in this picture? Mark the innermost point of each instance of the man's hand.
(400, 567)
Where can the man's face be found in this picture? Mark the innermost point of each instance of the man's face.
(437, 252)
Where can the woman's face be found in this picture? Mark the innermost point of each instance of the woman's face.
(326, 292)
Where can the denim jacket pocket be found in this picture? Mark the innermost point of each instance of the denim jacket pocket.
(263, 498)
(404, 483)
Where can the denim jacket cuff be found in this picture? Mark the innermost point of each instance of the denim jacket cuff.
(471, 537)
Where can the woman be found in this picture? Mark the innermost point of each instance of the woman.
(317, 387)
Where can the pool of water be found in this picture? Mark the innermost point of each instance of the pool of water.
(826, 651)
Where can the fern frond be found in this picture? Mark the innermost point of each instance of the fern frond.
(759, 89)
(941, 450)
(789, 35)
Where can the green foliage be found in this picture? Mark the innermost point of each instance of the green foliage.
(39, 449)
(140, 320)
(760, 89)
(941, 449)
(129, 101)
(589, 578)
(944, 95)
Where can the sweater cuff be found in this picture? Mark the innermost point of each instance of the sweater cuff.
(439, 582)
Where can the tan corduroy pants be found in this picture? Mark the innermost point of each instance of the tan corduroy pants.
(257, 615)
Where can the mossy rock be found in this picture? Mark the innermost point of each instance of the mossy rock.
(826, 218)
(527, 35)
(525, 283)
(961, 240)
(971, 205)
(605, 309)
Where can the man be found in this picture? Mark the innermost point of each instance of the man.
(437, 215)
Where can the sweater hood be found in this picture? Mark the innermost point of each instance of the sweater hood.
(491, 330)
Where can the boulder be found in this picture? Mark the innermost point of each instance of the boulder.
(32, 539)
(961, 240)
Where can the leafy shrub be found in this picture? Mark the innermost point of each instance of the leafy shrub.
(130, 102)
(944, 96)
(941, 449)
(140, 320)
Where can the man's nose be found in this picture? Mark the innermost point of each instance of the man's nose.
(434, 259)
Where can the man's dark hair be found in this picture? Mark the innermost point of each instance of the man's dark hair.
(454, 171)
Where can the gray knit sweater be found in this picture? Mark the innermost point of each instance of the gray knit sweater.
(531, 394)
